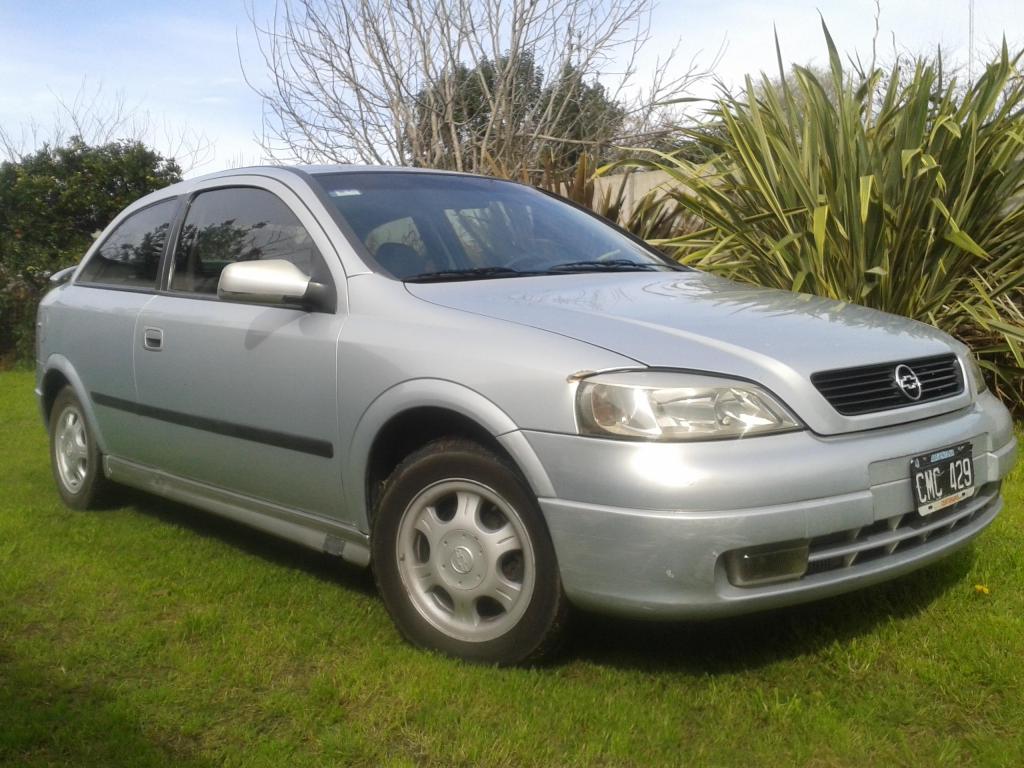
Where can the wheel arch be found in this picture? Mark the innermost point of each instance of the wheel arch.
(58, 372)
(415, 412)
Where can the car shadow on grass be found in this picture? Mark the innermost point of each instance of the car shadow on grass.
(265, 546)
(752, 641)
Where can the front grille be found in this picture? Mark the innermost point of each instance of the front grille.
(871, 388)
(895, 534)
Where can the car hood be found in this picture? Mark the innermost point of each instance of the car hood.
(695, 321)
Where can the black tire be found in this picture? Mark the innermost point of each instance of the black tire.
(526, 627)
(76, 461)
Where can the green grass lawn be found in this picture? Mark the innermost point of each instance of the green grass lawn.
(154, 634)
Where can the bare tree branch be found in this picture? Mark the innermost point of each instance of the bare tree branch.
(97, 117)
(499, 86)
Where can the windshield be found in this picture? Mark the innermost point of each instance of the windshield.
(434, 227)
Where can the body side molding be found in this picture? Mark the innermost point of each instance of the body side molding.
(291, 442)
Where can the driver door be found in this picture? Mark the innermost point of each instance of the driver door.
(241, 396)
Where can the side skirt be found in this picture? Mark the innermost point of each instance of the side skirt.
(313, 531)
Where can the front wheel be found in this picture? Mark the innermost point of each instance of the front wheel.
(463, 559)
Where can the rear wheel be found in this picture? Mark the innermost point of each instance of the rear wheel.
(463, 559)
(75, 456)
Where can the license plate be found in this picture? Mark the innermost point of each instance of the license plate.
(942, 478)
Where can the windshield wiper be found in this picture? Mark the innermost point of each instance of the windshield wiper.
(475, 273)
(487, 273)
(610, 265)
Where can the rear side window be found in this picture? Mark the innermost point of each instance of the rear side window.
(130, 256)
(238, 224)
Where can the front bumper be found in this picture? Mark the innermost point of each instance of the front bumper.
(640, 529)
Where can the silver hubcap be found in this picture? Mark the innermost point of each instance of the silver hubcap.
(466, 560)
(72, 449)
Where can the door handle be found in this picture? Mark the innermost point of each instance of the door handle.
(153, 339)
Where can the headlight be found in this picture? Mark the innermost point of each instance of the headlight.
(658, 405)
(975, 374)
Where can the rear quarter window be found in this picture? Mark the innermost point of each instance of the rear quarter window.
(130, 256)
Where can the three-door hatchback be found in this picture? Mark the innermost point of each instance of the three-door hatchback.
(505, 404)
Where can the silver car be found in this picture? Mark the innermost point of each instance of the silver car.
(506, 405)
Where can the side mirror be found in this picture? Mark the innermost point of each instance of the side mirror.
(61, 277)
(271, 281)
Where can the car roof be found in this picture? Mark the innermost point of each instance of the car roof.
(280, 172)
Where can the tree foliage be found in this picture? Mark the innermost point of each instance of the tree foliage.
(52, 202)
(584, 119)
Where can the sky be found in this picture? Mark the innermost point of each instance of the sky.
(182, 62)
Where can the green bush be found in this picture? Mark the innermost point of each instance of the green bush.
(52, 203)
(19, 295)
(899, 189)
